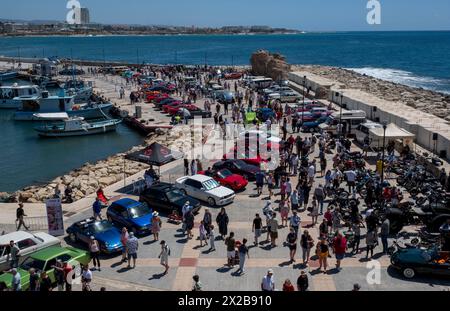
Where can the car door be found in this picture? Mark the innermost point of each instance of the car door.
(84, 234)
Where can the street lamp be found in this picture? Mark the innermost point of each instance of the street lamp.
(340, 117)
(382, 158)
(303, 110)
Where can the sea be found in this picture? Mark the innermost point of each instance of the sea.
(418, 59)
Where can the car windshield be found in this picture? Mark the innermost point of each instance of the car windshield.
(99, 227)
(139, 211)
(174, 195)
(239, 164)
(32, 263)
(224, 173)
(210, 184)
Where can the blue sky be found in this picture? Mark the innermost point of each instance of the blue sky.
(310, 15)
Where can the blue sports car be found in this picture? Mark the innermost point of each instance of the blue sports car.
(134, 215)
(104, 232)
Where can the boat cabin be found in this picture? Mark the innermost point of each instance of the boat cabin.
(46, 103)
(15, 90)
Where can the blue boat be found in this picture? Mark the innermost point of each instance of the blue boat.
(8, 75)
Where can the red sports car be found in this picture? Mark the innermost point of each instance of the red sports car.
(233, 75)
(166, 107)
(227, 179)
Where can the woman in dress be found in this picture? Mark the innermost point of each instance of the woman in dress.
(189, 220)
(222, 221)
(156, 226)
(284, 211)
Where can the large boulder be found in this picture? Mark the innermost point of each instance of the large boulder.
(271, 65)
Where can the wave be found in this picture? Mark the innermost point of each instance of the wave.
(406, 78)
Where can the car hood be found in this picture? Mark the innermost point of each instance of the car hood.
(220, 191)
(143, 220)
(236, 179)
(111, 236)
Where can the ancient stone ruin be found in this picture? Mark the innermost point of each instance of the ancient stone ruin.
(270, 65)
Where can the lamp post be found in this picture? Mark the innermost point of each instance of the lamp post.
(382, 157)
(340, 116)
(303, 106)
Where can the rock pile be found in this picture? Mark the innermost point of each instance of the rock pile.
(270, 65)
(431, 102)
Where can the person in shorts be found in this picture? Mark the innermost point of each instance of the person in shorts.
(132, 248)
(257, 228)
(273, 225)
(231, 249)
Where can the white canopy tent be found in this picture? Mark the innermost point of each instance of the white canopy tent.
(393, 132)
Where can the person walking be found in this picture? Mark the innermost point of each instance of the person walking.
(164, 256)
(339, 247)
(323, 252)
(189, 220)
(202, 234)
(123, 239)
(306, 242)
(212, 238)
(243, 254)
(371, 240)
(314, 211)
(20, 214)
(86, 279)
(59, 276)
(257, 228)
(222, 221)
(291, 241)
(97, 209)
(230, 242)
(16, 283)
(284, 212)
(94, 249)
(132, 249)
(294, 200)
(384, 234)
(270, 185)
(268, 282)
(13, 255)
(356, 228)
(273, 225)
(207, 220)
(319, 193)
(66, 271)
(295, 222)
(302, 282)
(156, 226)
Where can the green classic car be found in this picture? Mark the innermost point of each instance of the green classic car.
(44, 260)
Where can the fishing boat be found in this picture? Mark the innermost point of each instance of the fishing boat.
(9, 93)
(81, 90)
(77, 126)
(8, 75)
(35, 105)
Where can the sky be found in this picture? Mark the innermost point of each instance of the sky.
(308, 15)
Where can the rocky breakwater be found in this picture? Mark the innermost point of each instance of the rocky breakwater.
(270, 65)
(428, 101)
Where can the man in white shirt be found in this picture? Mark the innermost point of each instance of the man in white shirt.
(351, 180)
(311, 172)
(268, 284)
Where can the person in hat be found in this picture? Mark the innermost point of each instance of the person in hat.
(164, 256)
(20, 214)
(94, 248)
(268, 283)
(156, 225)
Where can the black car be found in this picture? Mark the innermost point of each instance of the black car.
(165, 102)
(238, 167)
(165, 197)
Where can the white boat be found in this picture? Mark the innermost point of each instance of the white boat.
(77, 127)
(78, 88)
(35, 105)
(9, 93)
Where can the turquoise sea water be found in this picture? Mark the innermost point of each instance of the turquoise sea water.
(420, 59)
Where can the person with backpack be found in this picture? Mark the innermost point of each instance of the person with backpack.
(164, 256)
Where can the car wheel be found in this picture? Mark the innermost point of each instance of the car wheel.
(73, 237)
(409, 273)
(211, 202)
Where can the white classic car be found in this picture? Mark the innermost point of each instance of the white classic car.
(205, 188)
(27, 242)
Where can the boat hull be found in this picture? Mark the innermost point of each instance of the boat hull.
(87, 114)
(9, 104)
(62, 133)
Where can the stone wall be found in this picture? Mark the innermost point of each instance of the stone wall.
(270, 65)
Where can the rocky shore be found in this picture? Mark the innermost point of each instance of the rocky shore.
(431, 102)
